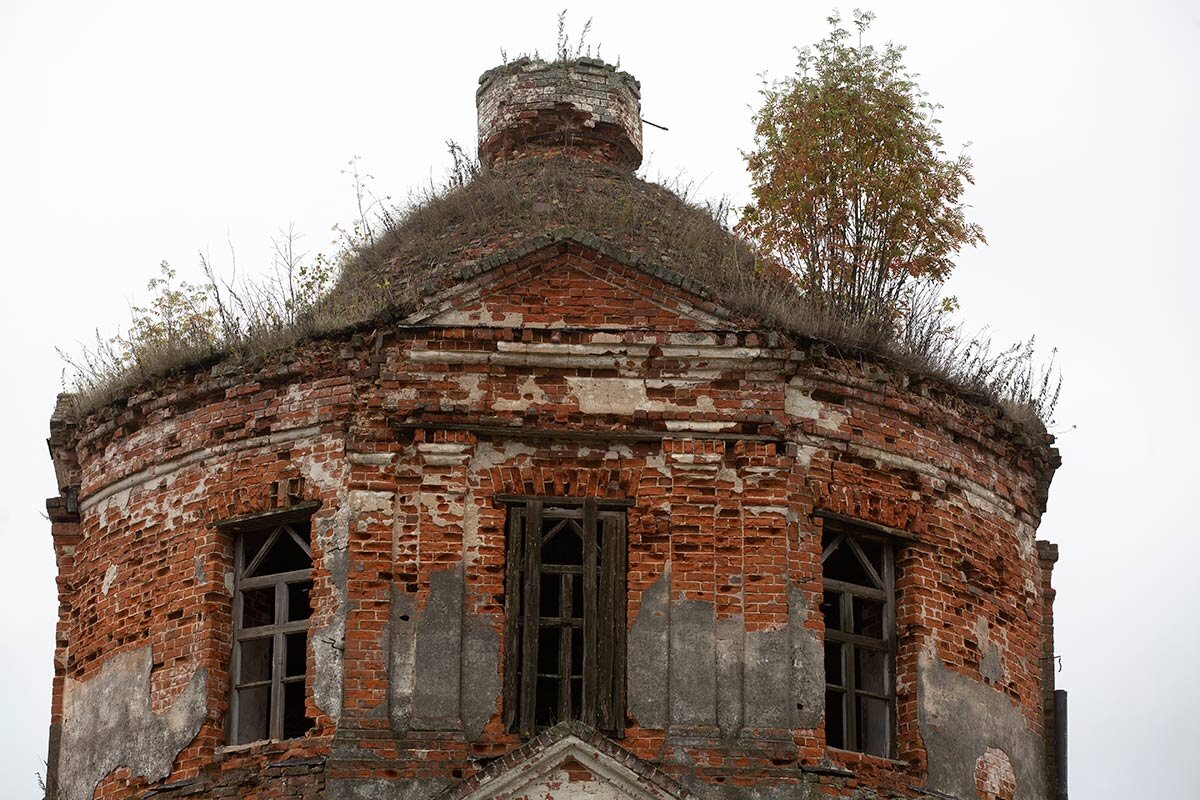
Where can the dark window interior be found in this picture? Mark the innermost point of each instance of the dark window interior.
(273, 565)
(565, 606)
(859, 612)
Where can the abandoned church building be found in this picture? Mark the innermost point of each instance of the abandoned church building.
(564, 520)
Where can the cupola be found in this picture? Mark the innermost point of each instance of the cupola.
(583, 108)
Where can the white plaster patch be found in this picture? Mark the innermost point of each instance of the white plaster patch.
(798, 403)
(482, 316)
(1026, 540)
(610, 395)
(472, 385)
(470, 528)
(319, 473)
(108, 722)
(624, 396)
(488, 455)
(444, 454)
(371, 459)
(733, 477)
(391, 400)
(110, 575)
(766, 511)
(367, 502)
(991, 662)
(449, 517)
(658, 462)
(531, 394)
(698, 425)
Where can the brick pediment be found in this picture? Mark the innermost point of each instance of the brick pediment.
(569, 760)
(567, 283)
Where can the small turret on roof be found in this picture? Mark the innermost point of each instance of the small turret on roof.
(583, 107)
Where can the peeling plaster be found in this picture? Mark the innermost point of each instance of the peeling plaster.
(488, 455)
(363, 502)
(625, 396)
(610, 395)
(430, 652)
(108, 723)
(119, 489)
(798, 403)
(337, 788)
(472, 385)
(110, 575)
(991, 661)
(688, 668)
(531, 395)
(960, 719)
(648, 654)
(318, 473)
(328, 643)
(808, 664)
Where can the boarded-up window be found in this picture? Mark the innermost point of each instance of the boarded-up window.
(565, 614)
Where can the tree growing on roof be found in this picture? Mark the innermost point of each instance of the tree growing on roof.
(853, 190)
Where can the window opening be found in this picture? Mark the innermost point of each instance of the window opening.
(271, 608)
(860, 640)
(565, 608)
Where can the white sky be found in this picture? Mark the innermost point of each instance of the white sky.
(131, 133)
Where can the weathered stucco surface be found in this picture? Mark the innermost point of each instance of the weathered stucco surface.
(108, 723)
(328, 641)
(431, 650)
(687, 668)
(646, 663)
(383, 789)
(961, 720)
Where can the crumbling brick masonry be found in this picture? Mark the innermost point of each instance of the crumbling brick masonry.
(566, 376)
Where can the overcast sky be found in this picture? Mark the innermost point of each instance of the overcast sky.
(136, 133)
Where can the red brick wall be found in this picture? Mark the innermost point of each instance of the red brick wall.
(727, 442)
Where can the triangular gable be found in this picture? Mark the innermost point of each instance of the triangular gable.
(567, 754)
(572, 282)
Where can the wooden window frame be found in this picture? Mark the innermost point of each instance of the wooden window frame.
(852, 532)
(280, 523)
(602, 700)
